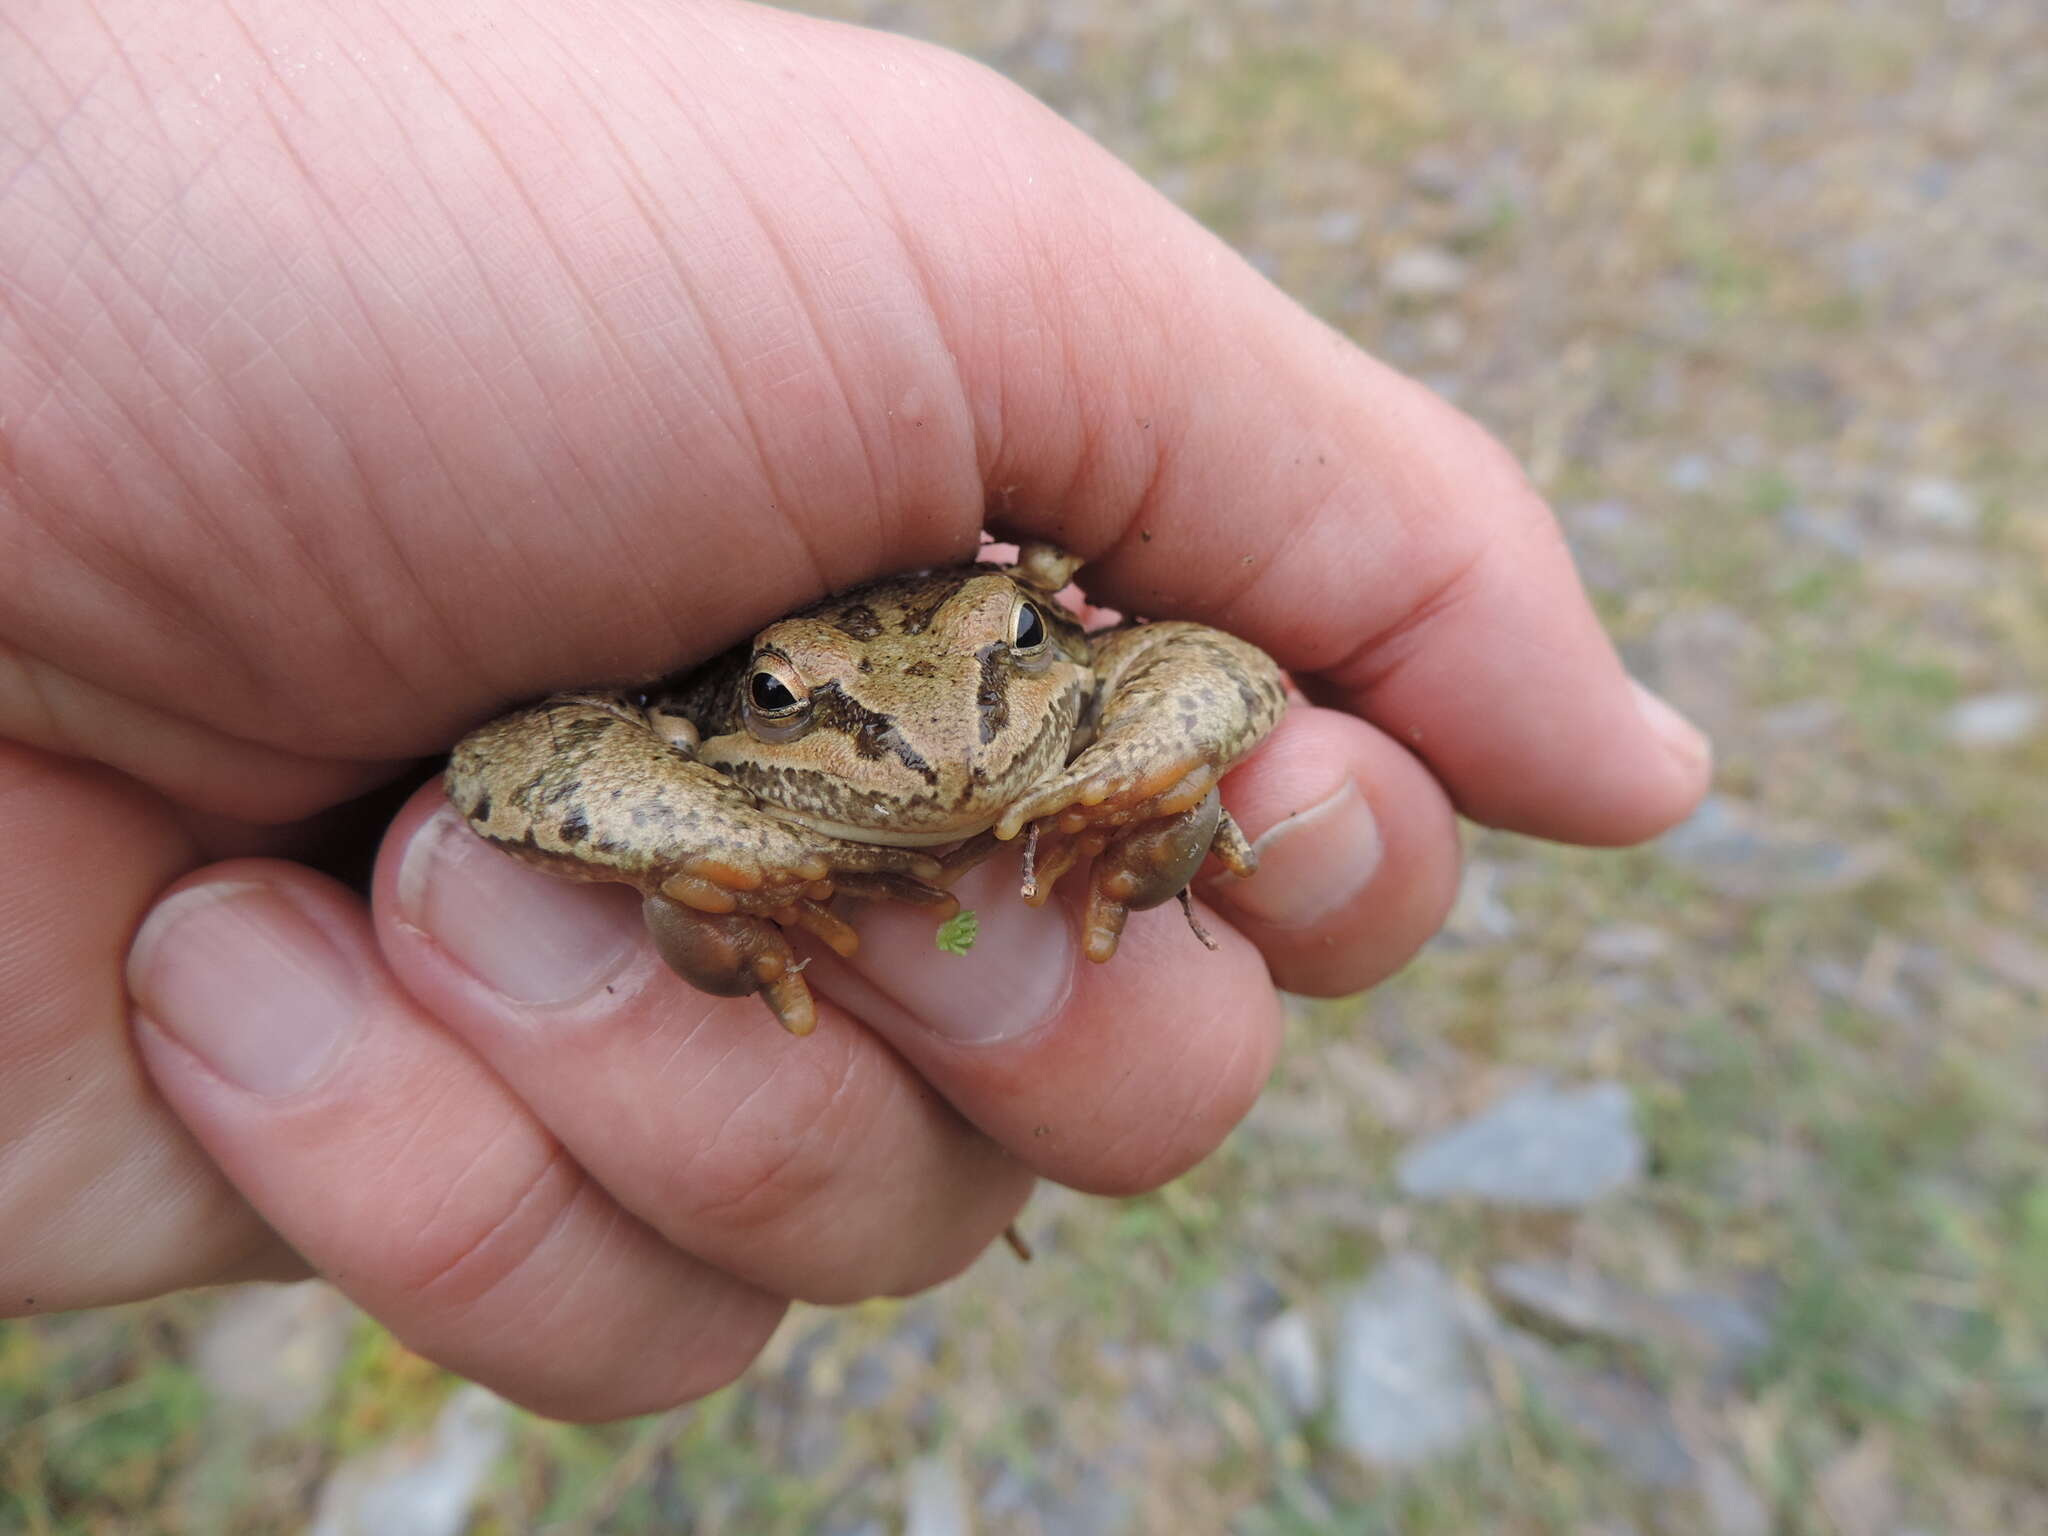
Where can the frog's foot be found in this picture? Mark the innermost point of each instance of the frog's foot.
(739, 881)
(1105, 794)
(1143, 867)
(731, 955)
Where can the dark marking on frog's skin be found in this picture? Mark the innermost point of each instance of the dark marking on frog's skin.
(992, 695)
(917, 617)
(920, 668)
(574, 827)
(872, 733)
(859, 621)
(481, 811)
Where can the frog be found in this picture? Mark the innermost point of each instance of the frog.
(876, 745)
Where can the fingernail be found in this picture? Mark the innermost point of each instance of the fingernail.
(529, 937)
(1015, 977)
(1311, 864)
(247, 982)
(1681, 738)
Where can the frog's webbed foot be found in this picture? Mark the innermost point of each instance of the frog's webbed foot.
(1181, 704)
(731, 955)
(589, 786)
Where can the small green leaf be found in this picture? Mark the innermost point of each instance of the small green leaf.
(957, 933)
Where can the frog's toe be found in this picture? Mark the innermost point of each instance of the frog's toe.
(1113, 795)
(730, 955)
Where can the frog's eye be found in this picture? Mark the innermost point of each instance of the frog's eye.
(1027, 631)
(778, 703)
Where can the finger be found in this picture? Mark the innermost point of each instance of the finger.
(402, 1169)
(1358, 853)
(1259, 472)
(1111, 1078)
(821, 1167)
(104, 1197)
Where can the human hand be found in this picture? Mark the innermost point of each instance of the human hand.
(365, 371)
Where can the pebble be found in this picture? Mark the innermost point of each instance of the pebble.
(1544, 1148)
(1690, 473)
(1939, 504)
(1713, 1333)
(1407, 1383)
(2015, 959)
(1626, 944)
(270, 1353)
(1830, 528)
(1617, 1414)
(1436, 173)
(1479, 915)
(935, 1500)
(1339, 226)
(1732, 1505)
(1286, 1352)
(1425, 272)
(1990, 720)
(1928, 570)
(421, 1486)
(1731, 849)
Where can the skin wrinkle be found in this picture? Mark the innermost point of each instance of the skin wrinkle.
(480, 526)
(447, 1282)
(447, 640)
(749, 435)
(761, 1168)
(1375, 658)
(112, 313)
(821, 569)
(646, 203)
(873, 198)
(591, 310)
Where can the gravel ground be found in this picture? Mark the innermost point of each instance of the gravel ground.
(1760, 294)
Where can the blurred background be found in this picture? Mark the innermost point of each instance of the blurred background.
(1694, 1188)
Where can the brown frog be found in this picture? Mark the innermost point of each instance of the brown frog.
(877, 744)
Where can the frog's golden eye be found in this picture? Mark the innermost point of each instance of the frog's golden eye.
(778, 703)
(1028, 632)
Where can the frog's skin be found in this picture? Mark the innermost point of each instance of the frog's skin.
(877, 744)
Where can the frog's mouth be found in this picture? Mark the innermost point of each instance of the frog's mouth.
(889, 837)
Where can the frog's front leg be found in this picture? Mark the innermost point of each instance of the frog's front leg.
(1179, 704)
(589, 786)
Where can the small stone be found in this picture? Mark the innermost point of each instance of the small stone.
(1436, 173)
(1479, 915)
(1733, 1506)
(1857, 1491)
(1830, 528)
(1619, 1415)
(1286, 1351)
(1800, 720)
(1730, 848)
(1408, 1384)
(1544, 1148)
(1929, 570)
(1690, 473)
(1991, 720)
(270, 1353)
(1939, 504)
(1424, 272)
(935, 1500)
(423, 1486)
(2015, 959)
(1339, 226)
(1627, 945)
(1708, 1332)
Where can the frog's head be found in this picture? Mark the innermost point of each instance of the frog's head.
(910, 711)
